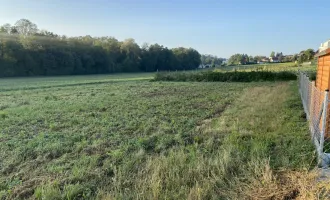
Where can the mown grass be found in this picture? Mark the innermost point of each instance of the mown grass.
(153, 140)
(10, 84)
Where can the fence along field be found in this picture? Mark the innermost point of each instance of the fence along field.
(315, 98)
(316, 102)
(153, 140)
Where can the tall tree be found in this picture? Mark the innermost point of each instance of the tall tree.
(25, 27)
(236, 59)
(309, 53)
(6, 28)
(272, 54)
(188, 58)
(132, 53)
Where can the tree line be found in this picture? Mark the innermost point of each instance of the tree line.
(243, 59)
(240, 59)
(211, 60)
(27, 51)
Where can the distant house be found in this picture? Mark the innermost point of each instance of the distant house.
(274, 59)
(324, 46)
(263, 60)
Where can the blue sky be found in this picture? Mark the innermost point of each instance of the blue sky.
(218, 27)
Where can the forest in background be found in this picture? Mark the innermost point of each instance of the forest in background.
(27, 51)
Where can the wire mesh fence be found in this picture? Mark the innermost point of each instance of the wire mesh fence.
(326, 145)
(316, 104)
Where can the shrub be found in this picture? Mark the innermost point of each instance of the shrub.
(312, 76)
(235, 76)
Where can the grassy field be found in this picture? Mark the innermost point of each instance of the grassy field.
(124, 137)
(10, 84)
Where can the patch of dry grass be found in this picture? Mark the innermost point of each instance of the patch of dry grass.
(286, 184)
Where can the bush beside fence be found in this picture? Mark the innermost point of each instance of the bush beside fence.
(236, 76)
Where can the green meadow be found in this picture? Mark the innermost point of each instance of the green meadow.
(125, 137)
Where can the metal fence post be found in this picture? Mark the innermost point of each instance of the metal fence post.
(324, 121)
